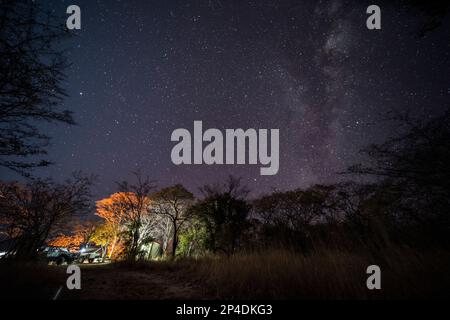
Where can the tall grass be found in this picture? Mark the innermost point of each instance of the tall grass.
(326, 274)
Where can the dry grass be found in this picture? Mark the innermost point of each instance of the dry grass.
(274, 274)
(279, 274)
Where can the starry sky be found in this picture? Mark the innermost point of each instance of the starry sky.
(141, 69)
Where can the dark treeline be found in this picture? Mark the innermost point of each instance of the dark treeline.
(406, 205)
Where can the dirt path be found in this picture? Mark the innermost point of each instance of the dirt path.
(110, 282)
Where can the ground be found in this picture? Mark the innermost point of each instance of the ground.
(329, 274)
(101, 282)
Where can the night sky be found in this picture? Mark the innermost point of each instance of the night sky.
(141, 69)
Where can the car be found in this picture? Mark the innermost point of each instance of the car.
(6, 246)
(58, 255)
(91, 253)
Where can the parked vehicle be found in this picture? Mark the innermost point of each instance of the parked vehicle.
(59, 255)
(6, 244)
(91, 253)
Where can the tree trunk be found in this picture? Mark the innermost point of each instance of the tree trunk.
(175, 239)
(113, 247)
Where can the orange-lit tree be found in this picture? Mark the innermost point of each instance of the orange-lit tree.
(136, 199)
(107, 235)
(114, 211)
(78, 233)
(126, 211)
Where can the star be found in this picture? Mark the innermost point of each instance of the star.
(314, 73)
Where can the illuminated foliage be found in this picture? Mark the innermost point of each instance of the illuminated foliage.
(173, 203)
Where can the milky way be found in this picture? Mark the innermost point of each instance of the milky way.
(141, 69)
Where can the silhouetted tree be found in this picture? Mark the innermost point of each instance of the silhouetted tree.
(224, 211)
(433, 12)
(32, 66)
(31, 211)
(415, 168)
(287, 216)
